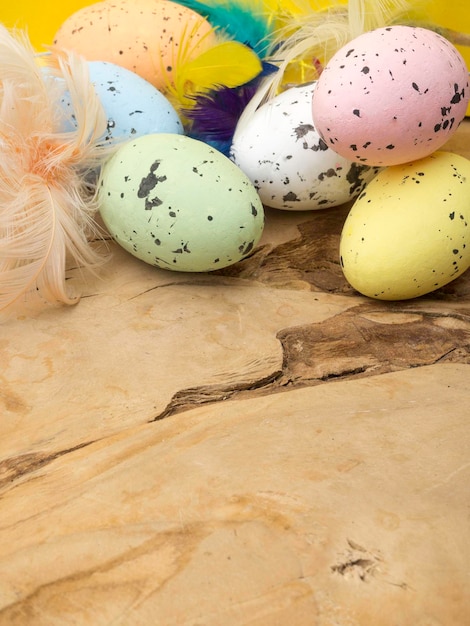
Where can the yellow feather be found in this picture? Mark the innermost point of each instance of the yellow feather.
(227, 64)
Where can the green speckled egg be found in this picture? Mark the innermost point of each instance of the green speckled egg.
(408, 233)
(179, 204)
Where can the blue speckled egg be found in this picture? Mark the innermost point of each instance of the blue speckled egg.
(176, 203)
(133, 106)
(291, 166)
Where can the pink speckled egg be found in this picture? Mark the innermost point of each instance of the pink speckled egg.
(391, 95)
(144, 36)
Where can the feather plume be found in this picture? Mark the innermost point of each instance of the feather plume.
(245, 21)
(217, 64)
(214, 115)
(46, 207)
(365, 15)
(228, 63)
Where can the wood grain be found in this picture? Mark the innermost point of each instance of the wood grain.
(256, 446)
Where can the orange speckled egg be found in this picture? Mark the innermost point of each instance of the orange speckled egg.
(144, 36)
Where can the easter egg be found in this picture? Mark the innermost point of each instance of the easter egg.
(408, 233)
(290, 165)
(391, 95)
(144, 36)
(133, 106)
(176, 203)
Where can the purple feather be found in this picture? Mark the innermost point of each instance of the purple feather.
(215, 114)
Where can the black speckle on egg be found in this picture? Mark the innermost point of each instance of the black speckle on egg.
(151, 203)
(247, 247)
(149, 182)
(320, 146)
(290, 197)
(458, 95)
(301, 130)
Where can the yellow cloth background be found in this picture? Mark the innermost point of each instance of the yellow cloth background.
(454, 15)
(43, 18)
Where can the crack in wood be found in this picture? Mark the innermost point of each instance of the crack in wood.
(14, 468)
(348, 345)
(363, 568)
(190, 398)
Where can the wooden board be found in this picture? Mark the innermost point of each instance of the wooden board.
(256, 446)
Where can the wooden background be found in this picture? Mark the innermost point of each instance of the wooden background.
(259, 446)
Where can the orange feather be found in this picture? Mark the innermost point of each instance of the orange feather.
(46, 205)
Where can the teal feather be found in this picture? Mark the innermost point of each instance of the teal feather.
(242, 20)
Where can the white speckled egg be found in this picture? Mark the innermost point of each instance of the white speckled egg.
(290, 165)
(391, 95)
(408, 233)
(144, 36)
(176, 203)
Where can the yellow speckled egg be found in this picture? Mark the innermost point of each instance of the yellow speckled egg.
(408, 233)
(144, 36)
